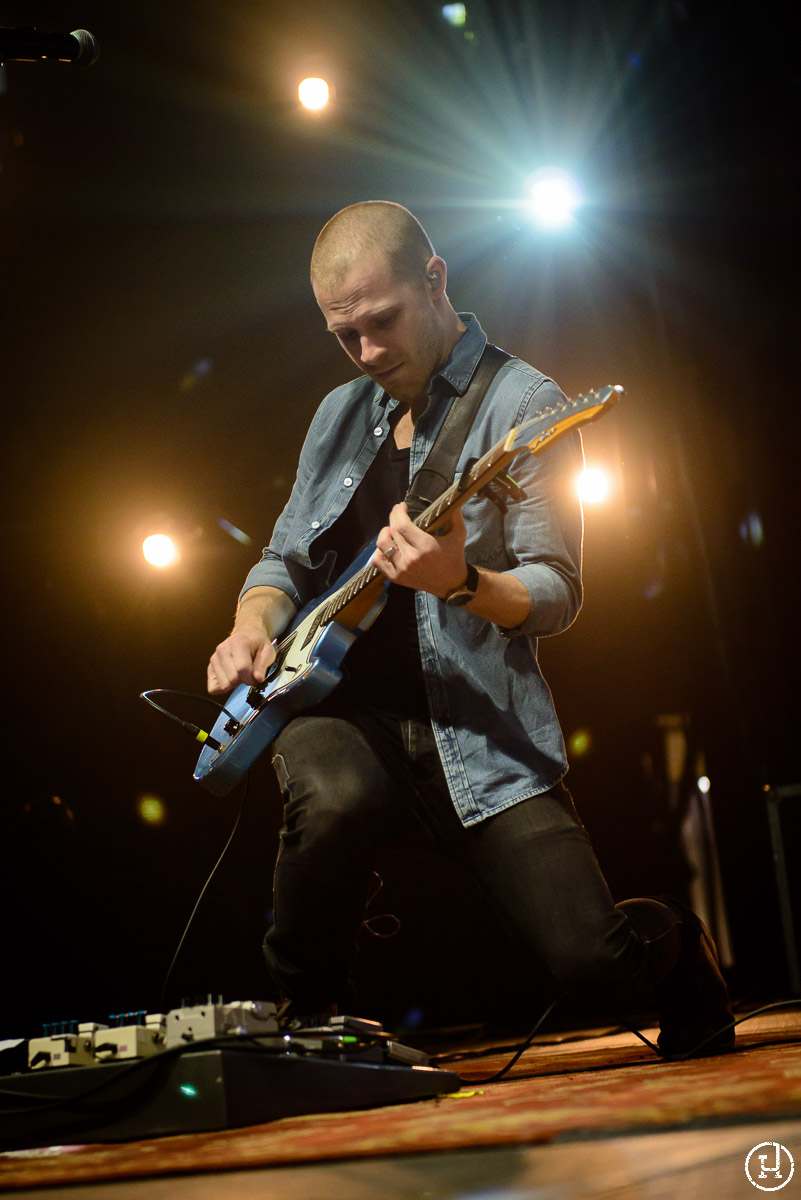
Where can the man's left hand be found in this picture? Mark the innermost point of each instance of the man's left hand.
(413, 558)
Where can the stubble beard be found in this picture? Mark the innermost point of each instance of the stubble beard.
(414, 392)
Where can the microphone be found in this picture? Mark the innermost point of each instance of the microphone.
(31, 45)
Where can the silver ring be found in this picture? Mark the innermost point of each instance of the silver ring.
(388, 553)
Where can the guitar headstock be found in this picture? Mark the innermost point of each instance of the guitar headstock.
(556, 420)
(540, 431)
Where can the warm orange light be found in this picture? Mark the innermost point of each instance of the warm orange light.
(160, 550)
(314, 93)
(593, 485)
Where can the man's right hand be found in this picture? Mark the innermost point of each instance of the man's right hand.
(244, 657)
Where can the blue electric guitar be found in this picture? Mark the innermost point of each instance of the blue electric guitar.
(308, 658)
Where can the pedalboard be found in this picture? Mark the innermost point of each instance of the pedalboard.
(203, 1067)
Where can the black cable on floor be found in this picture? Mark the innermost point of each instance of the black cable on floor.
(441, 1059)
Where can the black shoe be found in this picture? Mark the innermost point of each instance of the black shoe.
(695, 1015)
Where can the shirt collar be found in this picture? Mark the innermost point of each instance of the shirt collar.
(455, 376)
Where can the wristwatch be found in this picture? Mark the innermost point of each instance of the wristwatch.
(459, 596)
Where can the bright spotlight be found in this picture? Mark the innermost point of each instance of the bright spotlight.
(703, 784)
(160, 550)
(552, 198)
(314, 93)
(593, 486)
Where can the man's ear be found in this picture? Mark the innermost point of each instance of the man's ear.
(436, 274)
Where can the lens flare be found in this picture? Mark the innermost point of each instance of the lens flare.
(151, 809)
(455, 14)
(579, 744)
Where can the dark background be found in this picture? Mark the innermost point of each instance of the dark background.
(162, 357)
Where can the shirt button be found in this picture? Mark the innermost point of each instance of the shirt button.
(378, 431)
(315, 525)
(348, 482)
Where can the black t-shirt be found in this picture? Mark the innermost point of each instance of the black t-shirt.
(382, 669)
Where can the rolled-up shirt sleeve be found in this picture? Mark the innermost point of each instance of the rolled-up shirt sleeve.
(543, 534)
(270, 572)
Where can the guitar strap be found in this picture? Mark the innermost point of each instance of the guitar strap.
(436, 473)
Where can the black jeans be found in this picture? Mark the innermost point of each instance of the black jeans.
(356, 781)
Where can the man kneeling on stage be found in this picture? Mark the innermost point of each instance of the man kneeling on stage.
(444, 723)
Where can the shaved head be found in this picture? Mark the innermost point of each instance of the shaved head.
(371, 228)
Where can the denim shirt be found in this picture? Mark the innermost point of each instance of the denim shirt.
(491, 710)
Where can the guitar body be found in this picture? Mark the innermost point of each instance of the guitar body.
(306, 670)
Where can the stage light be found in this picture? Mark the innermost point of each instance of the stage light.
(552, 198)
(314, 93)
(151, 809)
(160, 550)
(455, 14)
(593, 485)
(703, 784)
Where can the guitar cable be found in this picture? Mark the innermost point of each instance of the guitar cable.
(204, 889)
(199, 735)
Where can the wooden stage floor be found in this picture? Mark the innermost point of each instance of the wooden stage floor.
(579, 1117)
